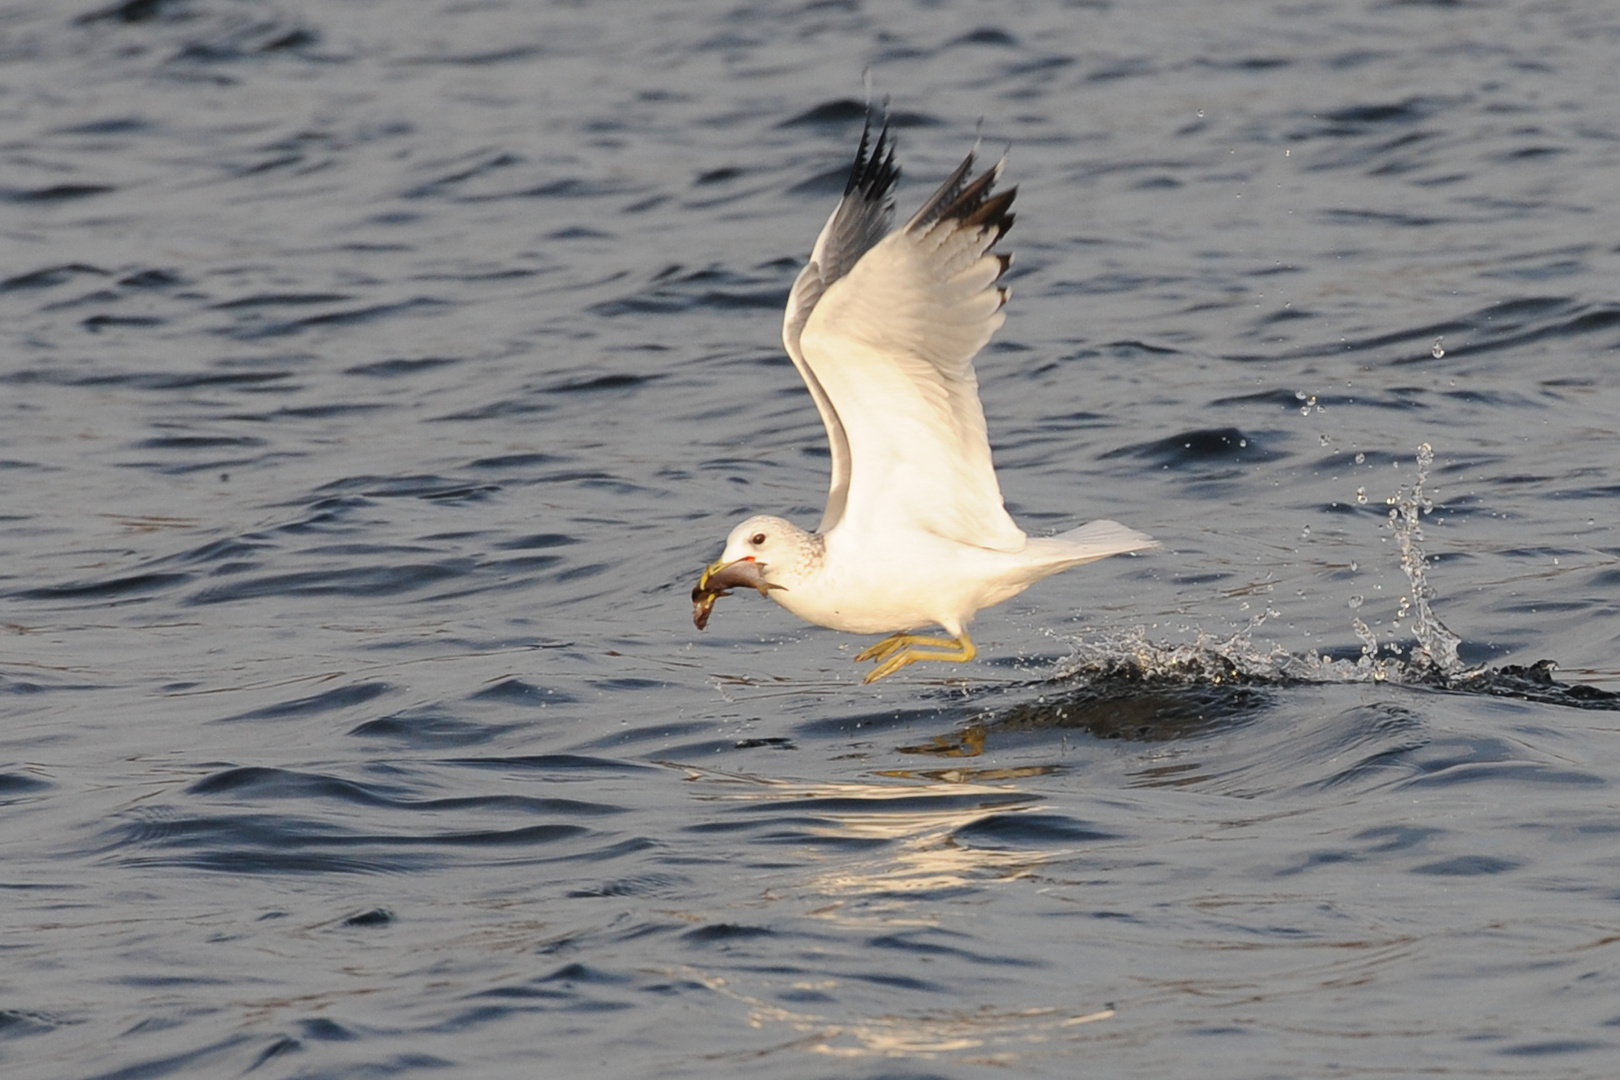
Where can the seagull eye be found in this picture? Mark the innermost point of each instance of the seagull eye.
(757, 539)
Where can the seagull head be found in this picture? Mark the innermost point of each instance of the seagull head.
(758, 550)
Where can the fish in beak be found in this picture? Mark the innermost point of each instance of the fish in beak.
(719, 579)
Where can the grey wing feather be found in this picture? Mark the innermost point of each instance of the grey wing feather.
(892, 343)
(860, 221)
(947, 194)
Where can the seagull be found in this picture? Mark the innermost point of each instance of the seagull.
(883, 327)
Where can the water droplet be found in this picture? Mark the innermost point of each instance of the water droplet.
(1361, 458)
(1437, 351)
(1356, 601)
(1243, 442)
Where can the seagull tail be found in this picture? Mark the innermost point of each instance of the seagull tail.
(1090, 542)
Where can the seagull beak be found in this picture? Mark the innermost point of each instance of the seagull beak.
(719, 579)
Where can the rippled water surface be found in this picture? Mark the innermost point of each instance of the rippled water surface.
(376, 378)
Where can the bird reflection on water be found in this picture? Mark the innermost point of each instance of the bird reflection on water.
(1126, 708)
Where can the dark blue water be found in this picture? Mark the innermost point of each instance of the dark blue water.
(376, 378)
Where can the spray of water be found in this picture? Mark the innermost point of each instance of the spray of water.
(1436, 649)
(1431, 660)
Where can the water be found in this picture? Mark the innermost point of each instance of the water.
(377, 378)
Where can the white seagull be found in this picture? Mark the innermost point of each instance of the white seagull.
(884, 326)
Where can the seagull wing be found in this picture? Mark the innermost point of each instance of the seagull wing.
(888, 349)
(859, 222)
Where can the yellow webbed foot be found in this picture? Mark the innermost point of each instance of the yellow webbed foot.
(901, 641)
(902, 650)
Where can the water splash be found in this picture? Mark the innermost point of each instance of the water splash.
(1207, 658)
(1436, 649)
(1432, 660)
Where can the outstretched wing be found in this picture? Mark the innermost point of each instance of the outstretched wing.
(888, 349)
(860, 221)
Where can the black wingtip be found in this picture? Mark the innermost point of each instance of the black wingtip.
(874, 173)
(977, 208)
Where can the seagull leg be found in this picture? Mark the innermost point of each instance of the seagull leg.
(900, 641)
(903, 649)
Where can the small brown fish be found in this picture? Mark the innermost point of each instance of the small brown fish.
(719, 579)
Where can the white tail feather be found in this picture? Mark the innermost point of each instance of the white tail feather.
(1090, 542)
